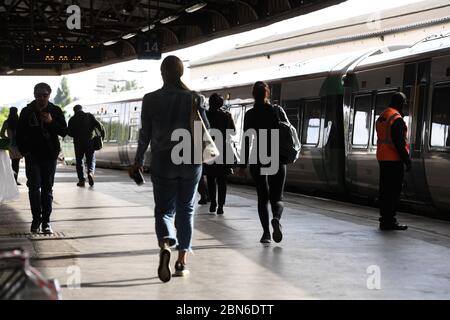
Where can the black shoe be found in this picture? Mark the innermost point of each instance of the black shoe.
(220, 210)
(202, 201)
(277, 235)
(213, 207)
(394, 226)
(91, 179)
(35, 224)
(47, 228)
(265, 238)
(180, 270)
(164, 272)
(80, 183)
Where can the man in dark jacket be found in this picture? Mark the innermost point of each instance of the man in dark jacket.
(81, 127)
(40, 124)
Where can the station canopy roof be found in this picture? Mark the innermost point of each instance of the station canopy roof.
(54, 37)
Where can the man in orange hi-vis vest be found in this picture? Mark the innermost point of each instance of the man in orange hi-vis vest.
(392, 156)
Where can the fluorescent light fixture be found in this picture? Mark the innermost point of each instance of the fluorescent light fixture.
(10, 72)
(195, 7)
(169, 19)
(19, 69)
(111, 42)
(150, 27)
(128, 36)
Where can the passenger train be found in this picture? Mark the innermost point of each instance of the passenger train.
(333, 102)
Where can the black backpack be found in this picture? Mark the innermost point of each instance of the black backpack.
(289, 143)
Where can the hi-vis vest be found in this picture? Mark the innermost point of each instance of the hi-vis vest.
(386, 150)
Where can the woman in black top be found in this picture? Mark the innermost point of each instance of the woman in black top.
(268, 187)
(217, 173)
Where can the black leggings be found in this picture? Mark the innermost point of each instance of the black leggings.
(269, 188)
(221, 186)
(15, 166)
(202, 189)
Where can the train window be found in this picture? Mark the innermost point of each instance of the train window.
(114, 129)
(361, 120)
(409, 77)
(311, 122)
(237, 113)
(106, 121)
(440, 117)
(292, 111)
(133, 133)
(382, 101)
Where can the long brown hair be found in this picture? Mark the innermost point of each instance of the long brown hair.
(172, 70)
(261, 92)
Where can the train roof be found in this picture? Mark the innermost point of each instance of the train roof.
(321, 66)
(433, 43)
(110, 98)
(407, 17)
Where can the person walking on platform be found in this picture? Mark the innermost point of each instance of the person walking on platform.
(203, 189)
(392, 156)
(40, 124)
(81, 128)
(269, 188)
(174, 185)
(10, 128)
(217, 173)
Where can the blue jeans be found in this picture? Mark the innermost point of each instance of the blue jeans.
(81, 151)
(174, 202)
(40, 177)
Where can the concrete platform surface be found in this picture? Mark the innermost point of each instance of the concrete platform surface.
(105, 247)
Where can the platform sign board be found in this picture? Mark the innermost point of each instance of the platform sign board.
(149, 46)
(61, 53)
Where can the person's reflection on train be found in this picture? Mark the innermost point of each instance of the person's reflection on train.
(81, 127)
(174, 185)
(269, 188)
(392, 156)
(217, 173)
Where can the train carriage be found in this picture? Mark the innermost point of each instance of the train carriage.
(333, 102)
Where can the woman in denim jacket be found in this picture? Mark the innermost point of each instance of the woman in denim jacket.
(174, 185)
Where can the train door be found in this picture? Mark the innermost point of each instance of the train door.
(437, 135)
(123, 111)
(310, 163)
(237, 113)
(133, 124)
(362, 168)
(416, 85)
(292, 109)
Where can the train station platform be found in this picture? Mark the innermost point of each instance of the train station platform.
(105, 247)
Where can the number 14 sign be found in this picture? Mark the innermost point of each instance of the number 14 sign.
(149, 47)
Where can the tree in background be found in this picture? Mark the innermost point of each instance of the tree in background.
(4, 112)
(129, 85)
(62, 97)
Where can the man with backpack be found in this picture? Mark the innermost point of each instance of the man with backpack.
(81, 127)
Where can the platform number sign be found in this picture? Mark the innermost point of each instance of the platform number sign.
(149, 47)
